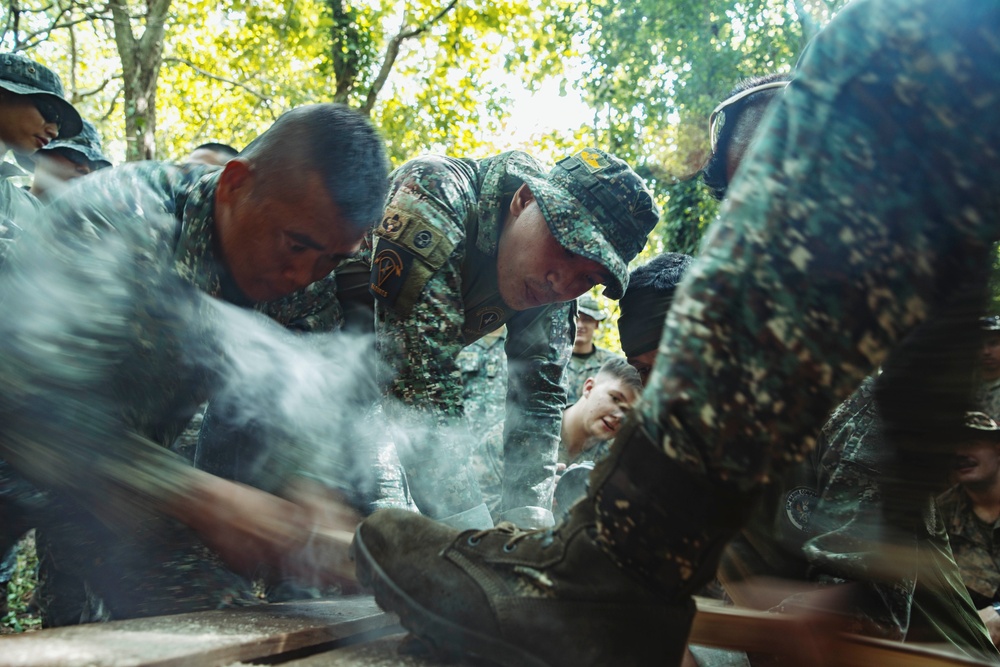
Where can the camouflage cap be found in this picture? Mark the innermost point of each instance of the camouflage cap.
(26, 77)
(87, 144)
(980, 426)
(588, 305)
(991, 323)
(597, 207)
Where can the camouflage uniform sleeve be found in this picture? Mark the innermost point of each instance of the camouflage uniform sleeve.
(79, 293)
(825, 255)
(17, 208)
(538, 347)
(418, 347)
(846, 524)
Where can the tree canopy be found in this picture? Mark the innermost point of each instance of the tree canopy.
(161, 76)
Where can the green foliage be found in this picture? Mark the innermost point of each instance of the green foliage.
(689, 209)
(20, 589)
(656, 70)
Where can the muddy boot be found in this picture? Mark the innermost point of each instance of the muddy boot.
(565, 596)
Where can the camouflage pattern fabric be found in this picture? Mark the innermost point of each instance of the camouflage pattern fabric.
(443, 218)
(862, 200)
(822, 522)
(17, 208)
(976, 546)
(581, 367)
(129, 267)
(484, 377)
(988, 398)
(487, 462)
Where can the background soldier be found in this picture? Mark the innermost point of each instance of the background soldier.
(587, 358)
(33, 112)
(586, 428)
(64, 160)
(971, 514)
(464, 247)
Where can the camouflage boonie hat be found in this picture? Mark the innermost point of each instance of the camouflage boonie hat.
(597, 207)
(588, 305)
(26, 77)
(980, 426)
(87, 144)
(991, 323)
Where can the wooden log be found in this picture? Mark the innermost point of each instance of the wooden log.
(719, 626)
(202, 639)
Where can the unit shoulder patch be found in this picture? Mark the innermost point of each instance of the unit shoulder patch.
(391, 267)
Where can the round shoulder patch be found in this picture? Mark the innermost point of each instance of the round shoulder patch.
(422, 239)
(799, 505)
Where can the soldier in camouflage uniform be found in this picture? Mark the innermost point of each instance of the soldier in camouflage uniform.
(971, 514)
(812, 521)
(464, 247)
(587, 358)
(988, 391)
(64, 160)
(863, 205)
(117, 329)
(586, 429)
(33, 113)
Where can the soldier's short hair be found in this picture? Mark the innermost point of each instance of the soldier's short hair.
(224, 149)
(619, 369)
(338, 143)
(648, 298)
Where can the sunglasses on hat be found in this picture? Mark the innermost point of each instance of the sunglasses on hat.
(718, 118)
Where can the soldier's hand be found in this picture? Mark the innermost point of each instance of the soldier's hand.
(991, 618)
(306, 538)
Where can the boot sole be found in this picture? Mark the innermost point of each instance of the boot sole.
(442, 634)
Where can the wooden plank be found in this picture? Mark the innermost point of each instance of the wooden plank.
(203, 639)
(719, 626)
(381, 652)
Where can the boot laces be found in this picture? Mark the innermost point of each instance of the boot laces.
(516, 535)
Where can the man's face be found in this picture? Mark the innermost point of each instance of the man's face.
(990, 360)
(585, 328)
(644, 364)
(277, 242)
(977, 461)
(606, 401)
(23, 129)
(53, 169)
(532, 268)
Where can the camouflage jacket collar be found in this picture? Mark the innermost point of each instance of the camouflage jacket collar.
(497, 185)
(960, 518)
(194, 255)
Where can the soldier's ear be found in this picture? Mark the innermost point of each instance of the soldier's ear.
(588, 386)
(235, 180)
(522, 198)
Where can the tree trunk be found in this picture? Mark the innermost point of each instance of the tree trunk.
(141, 59)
